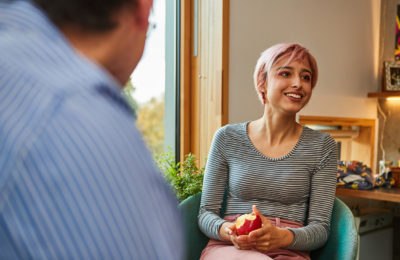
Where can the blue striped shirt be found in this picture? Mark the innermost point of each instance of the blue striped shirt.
(76, 181)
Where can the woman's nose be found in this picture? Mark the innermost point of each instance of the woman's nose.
(296, 83)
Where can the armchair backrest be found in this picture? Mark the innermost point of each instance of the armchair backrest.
(196, 241)
(343, 237)
(342, 243)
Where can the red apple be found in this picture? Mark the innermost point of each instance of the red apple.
(247, 223)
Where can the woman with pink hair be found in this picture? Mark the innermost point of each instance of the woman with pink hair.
(272, 167)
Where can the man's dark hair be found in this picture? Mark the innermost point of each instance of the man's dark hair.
(95, 15)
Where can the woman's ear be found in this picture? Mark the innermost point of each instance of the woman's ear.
(262, 91)
(262, 87)
(261, 76)
(261, 84)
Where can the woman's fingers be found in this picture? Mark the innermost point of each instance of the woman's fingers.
(226, 230)
(255, 210)
(243, 247)
(263, 233)
(264, 220)
(242, 242)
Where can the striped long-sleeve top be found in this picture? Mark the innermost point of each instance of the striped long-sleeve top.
(299, 186)
(76, 179)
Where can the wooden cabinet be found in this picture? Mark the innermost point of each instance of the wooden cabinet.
(356, 136)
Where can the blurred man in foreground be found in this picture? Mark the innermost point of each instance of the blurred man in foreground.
(76, 181)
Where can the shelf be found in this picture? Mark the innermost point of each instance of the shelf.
(385, 194)
(384, 94)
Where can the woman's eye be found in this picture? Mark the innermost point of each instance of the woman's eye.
(284, 74)
(306, 77)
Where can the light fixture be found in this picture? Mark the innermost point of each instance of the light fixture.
(393, 98)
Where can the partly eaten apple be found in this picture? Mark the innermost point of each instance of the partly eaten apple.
(247, 223)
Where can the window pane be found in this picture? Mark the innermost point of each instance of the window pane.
(148, 82)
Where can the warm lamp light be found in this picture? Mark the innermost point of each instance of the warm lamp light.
(393, 98)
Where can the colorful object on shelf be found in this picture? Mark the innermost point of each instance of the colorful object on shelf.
(397, 40)
(384, 166)
(395, 175)
(385, 177)
(354, 175)
(384, 180)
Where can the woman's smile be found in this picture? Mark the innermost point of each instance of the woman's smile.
(295, 96)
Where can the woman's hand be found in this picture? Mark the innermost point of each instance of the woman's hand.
(268, 237)
(228, 233)
(225, 231)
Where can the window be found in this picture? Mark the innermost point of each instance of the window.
(151, 89)
(180, 87)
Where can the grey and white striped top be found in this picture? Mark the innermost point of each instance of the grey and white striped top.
(299, 186)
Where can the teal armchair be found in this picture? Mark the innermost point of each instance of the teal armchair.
(342, 243)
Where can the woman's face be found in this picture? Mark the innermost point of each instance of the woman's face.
(288, 87)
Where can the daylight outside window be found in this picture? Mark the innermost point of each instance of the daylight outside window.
(146, 88)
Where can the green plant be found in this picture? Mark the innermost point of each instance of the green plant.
(185, 178)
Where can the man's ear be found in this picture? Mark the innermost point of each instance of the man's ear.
(143, 12)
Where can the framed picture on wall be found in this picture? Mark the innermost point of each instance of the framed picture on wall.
(392, 76)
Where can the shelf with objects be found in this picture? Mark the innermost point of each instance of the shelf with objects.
(355, 137)
(385, 94)
(382, 193)
(390, 82)
(357, 180)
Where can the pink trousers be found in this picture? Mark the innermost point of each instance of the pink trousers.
(217, 250)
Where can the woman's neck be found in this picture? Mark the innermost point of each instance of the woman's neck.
(277, 129)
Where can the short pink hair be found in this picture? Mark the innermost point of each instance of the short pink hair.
(276, 53)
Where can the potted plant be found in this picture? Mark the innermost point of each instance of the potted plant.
(185, 178)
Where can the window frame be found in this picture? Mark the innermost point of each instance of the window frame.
(204, 74)
(172, 77)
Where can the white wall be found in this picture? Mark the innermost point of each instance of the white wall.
(343, 36)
